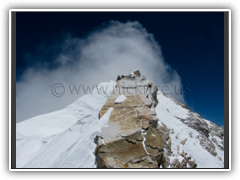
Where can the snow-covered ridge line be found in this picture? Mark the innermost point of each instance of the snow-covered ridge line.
(65, 138)
(47, 141)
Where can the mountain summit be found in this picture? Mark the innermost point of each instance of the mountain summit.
(128, 123)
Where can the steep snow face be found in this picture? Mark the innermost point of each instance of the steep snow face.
(65, 138)
(183, 137)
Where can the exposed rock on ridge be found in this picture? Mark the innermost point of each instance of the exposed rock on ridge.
(131, 138)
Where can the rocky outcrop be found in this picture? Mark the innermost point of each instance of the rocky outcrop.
(217, 133)
(131, 138)
(207, 144)
(185, 162)
(196, 122)
(165, 133)
(183, 141)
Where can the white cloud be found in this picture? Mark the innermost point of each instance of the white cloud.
(113, 49)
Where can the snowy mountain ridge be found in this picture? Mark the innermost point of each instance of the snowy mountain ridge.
(65, 138)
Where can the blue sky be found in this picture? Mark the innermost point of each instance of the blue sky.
(191, 43)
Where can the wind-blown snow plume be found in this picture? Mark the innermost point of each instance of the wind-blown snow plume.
(113, 48)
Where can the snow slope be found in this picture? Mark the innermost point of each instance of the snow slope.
(167, 110)
(65, 138)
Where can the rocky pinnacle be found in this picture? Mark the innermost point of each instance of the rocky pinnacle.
(131, 138)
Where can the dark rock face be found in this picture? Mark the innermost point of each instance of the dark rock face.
(131, 138)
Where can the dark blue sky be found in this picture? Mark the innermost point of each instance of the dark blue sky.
(191, 42)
